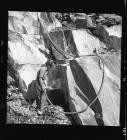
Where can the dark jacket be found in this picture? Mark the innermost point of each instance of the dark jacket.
(35, 88)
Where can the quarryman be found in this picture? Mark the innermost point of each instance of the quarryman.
(36, 87)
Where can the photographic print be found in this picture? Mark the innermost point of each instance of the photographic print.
(64, 68)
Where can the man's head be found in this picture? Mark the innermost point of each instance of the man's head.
(49, 63)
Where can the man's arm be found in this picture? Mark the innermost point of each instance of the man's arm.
(42, 83)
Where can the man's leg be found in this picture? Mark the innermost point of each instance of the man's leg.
(38, 102)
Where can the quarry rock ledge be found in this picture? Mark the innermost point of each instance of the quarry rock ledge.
(73, 83)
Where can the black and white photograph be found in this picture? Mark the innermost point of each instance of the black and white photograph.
(64, 68)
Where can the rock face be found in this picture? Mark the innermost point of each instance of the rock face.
(78, 79)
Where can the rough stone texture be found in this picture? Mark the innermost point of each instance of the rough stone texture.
(115, 30)
(29, 48)
(110, 94)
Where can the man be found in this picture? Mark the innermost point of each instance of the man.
(36, 87)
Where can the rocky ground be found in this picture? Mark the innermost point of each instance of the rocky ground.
(20, 112)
